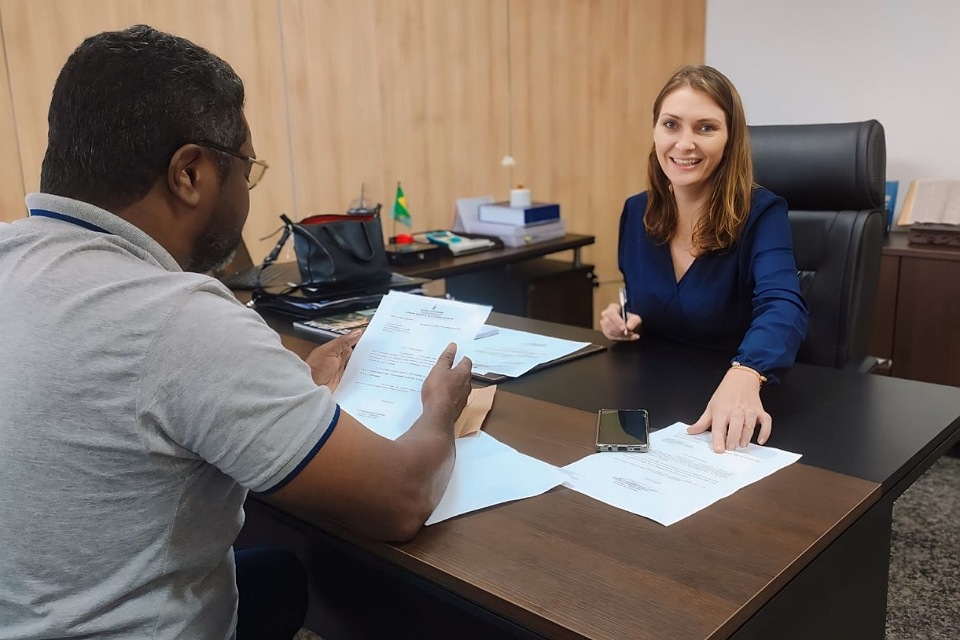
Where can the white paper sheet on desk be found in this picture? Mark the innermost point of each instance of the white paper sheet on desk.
(488, 472)
(381, 384)
(679, 476)
(512, 353)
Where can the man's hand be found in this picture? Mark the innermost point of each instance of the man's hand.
(446, 388)
(328, 361)
(384, 489)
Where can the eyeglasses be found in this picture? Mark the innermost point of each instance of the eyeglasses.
(257, 167)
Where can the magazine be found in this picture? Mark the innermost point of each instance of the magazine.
(339, 324)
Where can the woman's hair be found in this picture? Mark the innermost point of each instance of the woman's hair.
(728, 204)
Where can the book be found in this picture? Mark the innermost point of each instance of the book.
(469, 243)
(503, 213)
(456, 244)
(518, 236)
(931, 200)
(890, 200)
(945, 235)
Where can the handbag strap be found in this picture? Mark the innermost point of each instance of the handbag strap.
(275, 252)
(348, 247)
(270, 259)
(312, 243)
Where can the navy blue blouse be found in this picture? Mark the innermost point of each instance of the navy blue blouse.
(745, 300)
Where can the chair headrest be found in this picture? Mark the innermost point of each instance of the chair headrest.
(822, 167)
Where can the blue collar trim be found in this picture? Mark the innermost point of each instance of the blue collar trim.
(43, 213)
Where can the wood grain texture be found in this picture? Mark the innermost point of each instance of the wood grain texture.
(925, 341)
(380, 92)
(11, 179)
(41, 34)
(585, 75)
(431, 93)
(917, 310)
(567, 566)
(881, 344)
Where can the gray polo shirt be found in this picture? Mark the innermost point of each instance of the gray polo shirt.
(138, 404)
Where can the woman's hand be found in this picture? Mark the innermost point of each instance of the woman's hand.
(734, 412)
(613, 327)
(328, 361)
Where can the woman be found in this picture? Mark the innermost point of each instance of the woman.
(707, 256)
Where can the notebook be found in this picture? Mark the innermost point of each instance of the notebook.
(241, 273)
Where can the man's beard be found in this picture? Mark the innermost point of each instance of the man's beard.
(214, 252)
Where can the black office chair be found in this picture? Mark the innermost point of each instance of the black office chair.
(832, 177)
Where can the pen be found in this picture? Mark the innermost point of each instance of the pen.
(623, 308)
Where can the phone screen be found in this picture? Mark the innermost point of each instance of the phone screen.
(622, 430)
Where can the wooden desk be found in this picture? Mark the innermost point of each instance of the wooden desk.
(519, 281)
(800, 554)
(448, 267)
(918, 311)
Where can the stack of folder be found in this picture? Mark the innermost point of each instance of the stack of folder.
(518, 226)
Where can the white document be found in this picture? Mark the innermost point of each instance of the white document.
(488, 472)
(381, 384)
(513, 353)
(468, 213)
(679, 476)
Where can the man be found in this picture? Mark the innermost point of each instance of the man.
(139, 401)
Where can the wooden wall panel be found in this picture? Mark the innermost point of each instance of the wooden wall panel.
(409, 90)
(41, 34)
(11, 181)
(432, 93)
(585, 75)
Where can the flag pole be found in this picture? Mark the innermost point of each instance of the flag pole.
(393, 214)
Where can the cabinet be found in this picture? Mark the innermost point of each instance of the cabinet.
(541, 288)
(918, 314)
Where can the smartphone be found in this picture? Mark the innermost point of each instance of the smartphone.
(623, 430)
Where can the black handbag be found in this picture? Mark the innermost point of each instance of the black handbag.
(336, 252)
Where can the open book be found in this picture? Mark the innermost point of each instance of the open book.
(934, 201)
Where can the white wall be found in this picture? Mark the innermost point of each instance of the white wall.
(840, 60)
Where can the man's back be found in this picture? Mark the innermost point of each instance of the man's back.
(112, 521)
(138, 402)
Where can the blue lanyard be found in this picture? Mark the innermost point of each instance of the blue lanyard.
(43, 213)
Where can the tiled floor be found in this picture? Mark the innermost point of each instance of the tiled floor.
(923, 599)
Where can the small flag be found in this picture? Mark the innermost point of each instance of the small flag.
(400, 212)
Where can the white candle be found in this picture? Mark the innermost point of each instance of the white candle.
(520, 197)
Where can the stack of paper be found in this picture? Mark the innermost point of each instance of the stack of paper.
(381, 388)
(680, 475)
